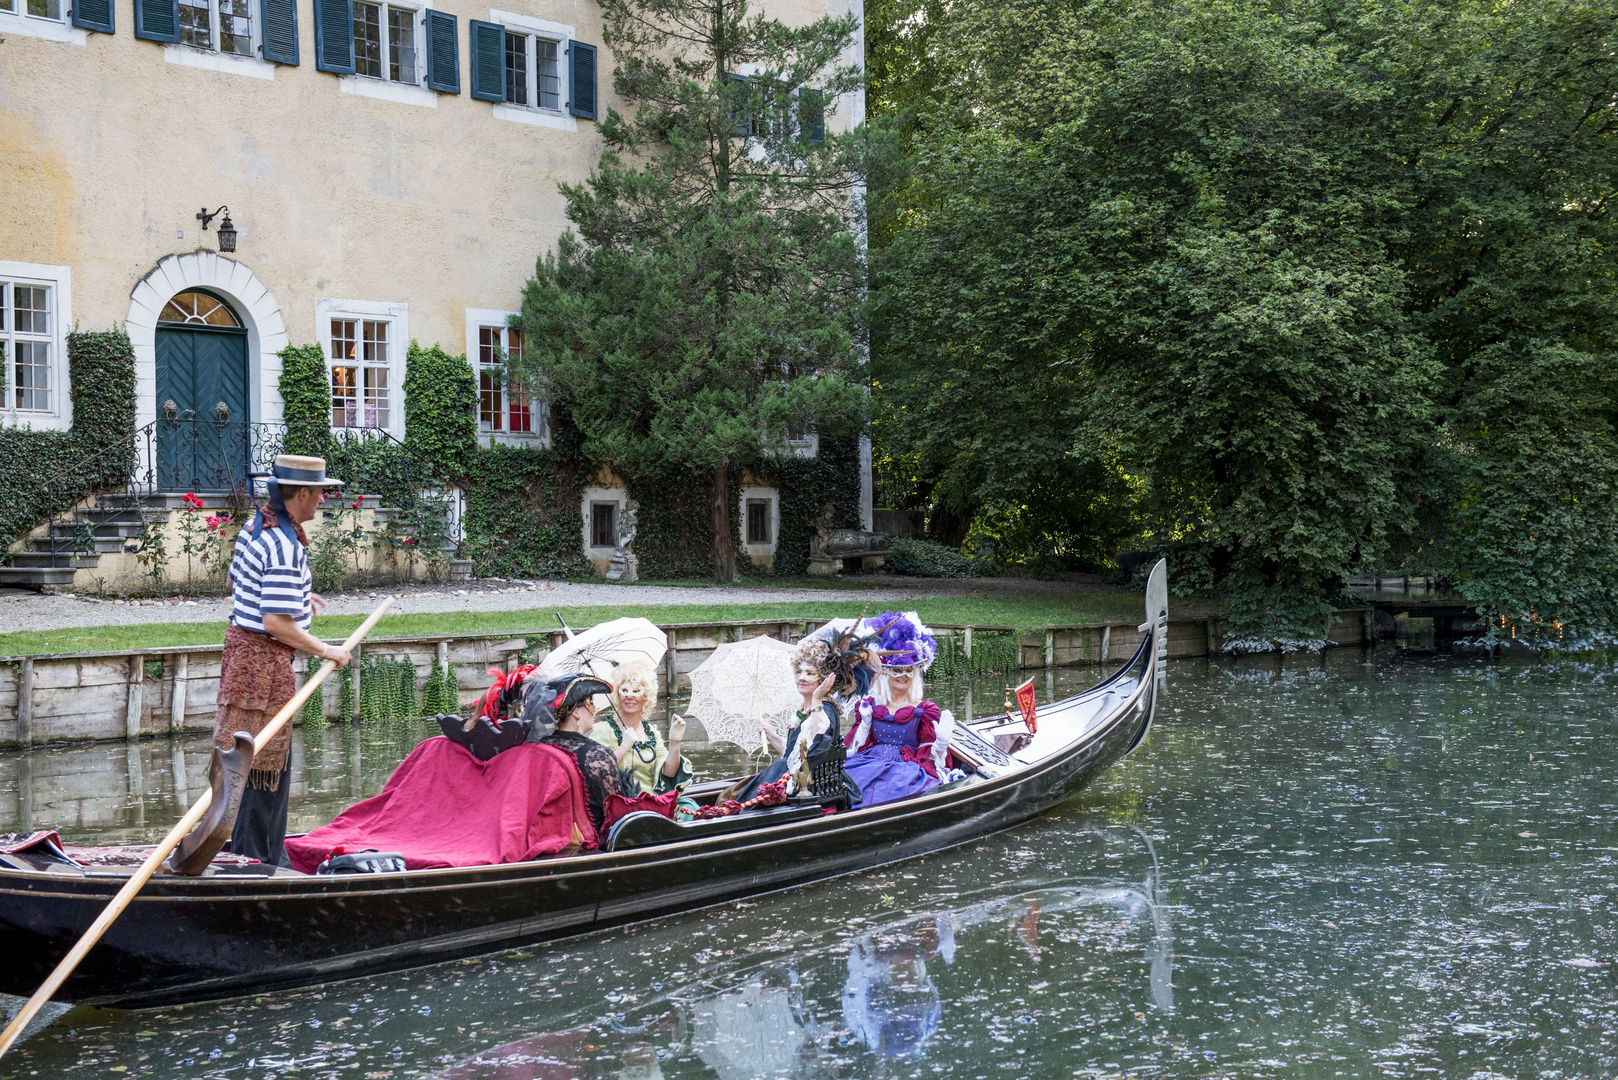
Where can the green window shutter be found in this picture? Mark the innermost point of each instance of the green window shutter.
(488, 60)
(334, 36)
(443, 53)
(812, 103)
(280, 22)
(157, 20)
(94, 15)
(581, 79)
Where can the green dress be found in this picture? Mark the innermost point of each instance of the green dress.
(645, 759)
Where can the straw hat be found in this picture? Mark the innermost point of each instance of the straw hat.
(291, 470)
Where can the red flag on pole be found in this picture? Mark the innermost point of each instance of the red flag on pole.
(1025, 702)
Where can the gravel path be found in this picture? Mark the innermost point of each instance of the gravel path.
(37, 612)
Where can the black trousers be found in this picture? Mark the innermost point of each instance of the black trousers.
(261, 823)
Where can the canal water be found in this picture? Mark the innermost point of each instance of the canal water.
(1346, 866)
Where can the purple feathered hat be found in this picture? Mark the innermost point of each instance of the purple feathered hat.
(906, 638)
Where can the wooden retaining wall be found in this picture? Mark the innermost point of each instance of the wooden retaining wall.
(79, 696)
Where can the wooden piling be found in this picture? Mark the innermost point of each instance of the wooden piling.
(25, 703)
(177, 692)
(966, 646)
(1106, 644)
(137, 679)
(1050, 648)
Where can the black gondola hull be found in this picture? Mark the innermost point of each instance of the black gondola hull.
(192, 939)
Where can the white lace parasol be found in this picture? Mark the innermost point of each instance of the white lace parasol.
(742, 683)
(598, 649)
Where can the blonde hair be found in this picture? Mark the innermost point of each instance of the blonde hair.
(637, 673)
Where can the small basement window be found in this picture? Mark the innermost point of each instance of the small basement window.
(758, 521)
(603, 524)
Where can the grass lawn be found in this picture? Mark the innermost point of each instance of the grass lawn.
(948, 611)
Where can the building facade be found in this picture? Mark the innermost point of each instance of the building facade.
(389, 172)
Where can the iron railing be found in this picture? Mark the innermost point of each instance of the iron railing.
(128, 483)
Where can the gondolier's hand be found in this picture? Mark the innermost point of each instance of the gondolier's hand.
(335, 652)
(317, 603)
(676, 728)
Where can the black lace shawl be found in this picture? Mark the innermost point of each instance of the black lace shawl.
(599, 770)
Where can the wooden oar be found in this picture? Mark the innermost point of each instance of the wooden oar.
(176, 834)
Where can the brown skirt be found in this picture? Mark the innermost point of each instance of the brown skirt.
(255, 680)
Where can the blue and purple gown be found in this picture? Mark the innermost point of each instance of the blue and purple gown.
(896, 760)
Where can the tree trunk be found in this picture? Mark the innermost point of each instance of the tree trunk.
(724, 558)
(948, 526)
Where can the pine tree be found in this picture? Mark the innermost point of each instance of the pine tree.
(711, 299)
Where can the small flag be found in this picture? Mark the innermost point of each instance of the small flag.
(1025, 702)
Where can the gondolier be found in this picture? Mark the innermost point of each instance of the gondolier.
(274, 605)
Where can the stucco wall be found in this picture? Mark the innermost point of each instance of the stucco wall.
(109, 146)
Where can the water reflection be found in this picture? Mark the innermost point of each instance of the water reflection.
(1343, 865)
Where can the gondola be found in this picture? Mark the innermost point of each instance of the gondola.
(248, 929)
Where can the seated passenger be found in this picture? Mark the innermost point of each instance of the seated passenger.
(901, 745)
(659, 767)
(575, 710)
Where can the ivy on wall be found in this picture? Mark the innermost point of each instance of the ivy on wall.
(441, 410)
(101, 366)
(306, 400)
(522, 514)
(672, 531)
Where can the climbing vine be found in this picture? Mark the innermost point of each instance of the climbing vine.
(101, 366)
(306, 400)
(441, 410)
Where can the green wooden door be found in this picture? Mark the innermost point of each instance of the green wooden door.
(204, 437)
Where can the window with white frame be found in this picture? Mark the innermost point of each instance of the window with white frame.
(533, 71)
(385, 38)
(361, 369)
(223, 26)
(502, 404)
(27, 341)
(37, 9)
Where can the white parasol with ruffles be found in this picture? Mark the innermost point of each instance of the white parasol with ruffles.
(743, 684)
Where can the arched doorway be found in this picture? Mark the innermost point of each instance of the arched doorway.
(204, 438)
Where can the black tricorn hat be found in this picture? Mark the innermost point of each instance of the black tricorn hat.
(570, 690)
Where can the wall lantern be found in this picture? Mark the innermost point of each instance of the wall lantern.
(227, 231)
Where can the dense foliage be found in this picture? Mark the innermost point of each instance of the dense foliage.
(709, 301)
(441, 410)
(306, 400)
(45, 472)
(1285, 290)
(522, 514)
(915, 557)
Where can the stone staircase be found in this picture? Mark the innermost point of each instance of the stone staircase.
(76, 542)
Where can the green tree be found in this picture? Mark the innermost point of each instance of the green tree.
(1295, 275)
(710, 300)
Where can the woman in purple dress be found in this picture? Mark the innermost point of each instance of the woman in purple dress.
(900, 747)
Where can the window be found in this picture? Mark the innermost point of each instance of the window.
(503, 404)
(604, 524)
(359, 375)
(758, 521)
(533, 75)
(516, 69)
(39, 9)
(385, 42)
(224, 26)
(26, 340)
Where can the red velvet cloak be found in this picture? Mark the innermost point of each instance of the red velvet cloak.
(444, 807)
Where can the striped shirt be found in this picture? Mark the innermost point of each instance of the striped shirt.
(269, 576)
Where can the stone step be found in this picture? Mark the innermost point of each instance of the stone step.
(104, 545)
(48, 559)
(34, 577)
